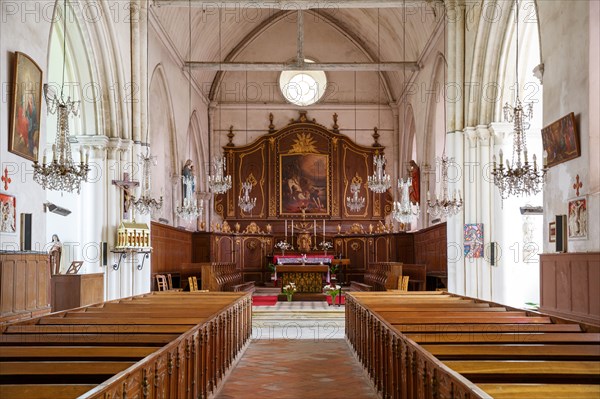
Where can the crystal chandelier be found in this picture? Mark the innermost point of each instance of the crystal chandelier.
(146, 204)
(190, 209)
(355, 203)
(219, 183)
(62, 174)
(246, 203)
(380, 181)
(404, 211)
(519, 177)
(444, 206)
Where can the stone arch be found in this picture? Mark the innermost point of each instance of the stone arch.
(162, 139)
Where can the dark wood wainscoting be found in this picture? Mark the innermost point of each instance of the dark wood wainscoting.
(569, 285)
(170, 248)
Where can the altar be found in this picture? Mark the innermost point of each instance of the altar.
(308, 278)
(299, 259)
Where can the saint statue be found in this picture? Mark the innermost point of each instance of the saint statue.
(415, 189)
(55, 255)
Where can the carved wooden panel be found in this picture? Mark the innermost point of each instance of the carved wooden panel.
(171, 247)
(431, 248)
(251, 166)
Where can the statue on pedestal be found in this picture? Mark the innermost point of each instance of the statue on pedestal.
(55, 255)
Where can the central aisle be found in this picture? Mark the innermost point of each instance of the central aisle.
(291, 369)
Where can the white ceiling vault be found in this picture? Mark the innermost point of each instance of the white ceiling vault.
(369, 33)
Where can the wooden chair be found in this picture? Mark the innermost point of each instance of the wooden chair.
(193, 283)
(169, 281)
(161, 282)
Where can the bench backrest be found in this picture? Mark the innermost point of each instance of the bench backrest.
(382, 276)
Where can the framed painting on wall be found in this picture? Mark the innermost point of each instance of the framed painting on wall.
(473, 240)
(8, 214)
(304, 184)
(577, 219)
(24, 135)
(552, 232)
(561, 140)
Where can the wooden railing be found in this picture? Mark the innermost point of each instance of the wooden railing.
(168, 345)
(436, 345)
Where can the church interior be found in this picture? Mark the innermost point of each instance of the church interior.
(181, 178)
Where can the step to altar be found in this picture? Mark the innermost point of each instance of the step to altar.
(303, 297)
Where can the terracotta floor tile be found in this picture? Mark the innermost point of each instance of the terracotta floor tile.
(293, 369)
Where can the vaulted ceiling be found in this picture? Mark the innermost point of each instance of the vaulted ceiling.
(220, 34)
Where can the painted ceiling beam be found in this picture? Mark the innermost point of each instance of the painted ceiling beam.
(317, 66)
(294, 4)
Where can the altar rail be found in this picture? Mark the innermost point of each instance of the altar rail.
(437, 345)
(159, 345)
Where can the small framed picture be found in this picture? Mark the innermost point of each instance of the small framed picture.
(577, 219)
(8, 214)
(552, 232)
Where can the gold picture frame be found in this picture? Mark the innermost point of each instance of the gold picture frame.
(24, 135)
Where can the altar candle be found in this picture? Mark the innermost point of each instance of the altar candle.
(286, 229)
(315, 228)
(323, 230)
(292, 231)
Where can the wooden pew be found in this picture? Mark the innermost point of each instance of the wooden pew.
(424, 345)
(158, 345)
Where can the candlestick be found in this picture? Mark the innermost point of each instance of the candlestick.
(286, 229)
(323, 230)
(315, 229)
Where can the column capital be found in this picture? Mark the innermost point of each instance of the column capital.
(500, 131)
(116, 145)
(471, 134)
(483, 134)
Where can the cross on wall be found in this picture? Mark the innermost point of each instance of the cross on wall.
(577, 185)
(7, 180)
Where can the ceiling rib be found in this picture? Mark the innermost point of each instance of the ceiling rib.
(292, 5)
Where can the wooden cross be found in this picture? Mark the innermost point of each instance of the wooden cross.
(577, 185)
(7, 180)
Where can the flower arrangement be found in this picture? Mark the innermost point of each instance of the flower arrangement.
(332, 290)
(283, 245)
(325, 245)
(289, 290)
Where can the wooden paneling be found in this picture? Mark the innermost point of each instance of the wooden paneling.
(569, 285)
(171, 247)
(75, 290)
(431, 248)
(24, 285)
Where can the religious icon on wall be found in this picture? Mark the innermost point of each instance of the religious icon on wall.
(552, 232)
(415, 188)
(24, 136)
(577, 219)
(8, 214)
(304, 184)
(561, 140)
(473, 240)
(189, 182)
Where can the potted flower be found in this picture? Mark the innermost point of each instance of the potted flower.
(271, 268)
(333, 291)
(289, 290)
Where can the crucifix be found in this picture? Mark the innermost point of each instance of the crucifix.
(127, 186)
(577, 185)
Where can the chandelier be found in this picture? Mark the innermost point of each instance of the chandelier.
(62, 174)
(380, 181)
(519, 177)
(355, 203)
(145, 203)
(404, 211)
(219, 183)
(444, 206)
(246, 203)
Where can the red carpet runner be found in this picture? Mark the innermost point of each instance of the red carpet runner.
(264, 300)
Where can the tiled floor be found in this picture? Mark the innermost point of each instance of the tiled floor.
(293, 369)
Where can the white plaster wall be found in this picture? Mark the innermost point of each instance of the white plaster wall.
(24, 27)
(568, 76)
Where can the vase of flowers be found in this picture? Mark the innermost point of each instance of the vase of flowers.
(326, 245)
(289, 290)
(333, 290)
(283, 245)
